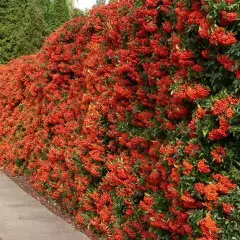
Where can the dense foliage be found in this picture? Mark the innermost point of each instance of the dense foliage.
(24, 25)
(129, 119)
(59, 13)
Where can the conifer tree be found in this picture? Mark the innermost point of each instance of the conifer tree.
(10, 19)
(3, 30)
(60, 13)
(100, 2)
(24, 25)
(45, 6)
(70, 7)
(32, 31)
(77, 13)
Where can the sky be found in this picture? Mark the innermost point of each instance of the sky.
(82, 4)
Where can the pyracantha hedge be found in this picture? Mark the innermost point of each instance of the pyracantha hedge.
(129, 119)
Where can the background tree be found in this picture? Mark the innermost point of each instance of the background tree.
(32, 31)
(10, 19)
(46, 6)
(70, 7)
(100, 2)
(24, 24)
(60, 13)
(77, 13)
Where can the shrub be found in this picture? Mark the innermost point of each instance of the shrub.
(129, 119)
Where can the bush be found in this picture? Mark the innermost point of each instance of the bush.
(129, 119)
